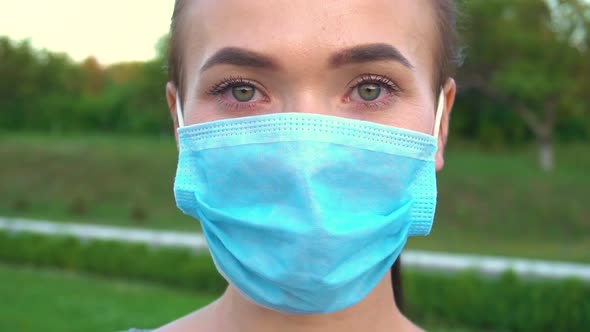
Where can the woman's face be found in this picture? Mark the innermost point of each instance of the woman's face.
(371, 60)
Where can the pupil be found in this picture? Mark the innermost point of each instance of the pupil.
(243, 93)
(369, 91)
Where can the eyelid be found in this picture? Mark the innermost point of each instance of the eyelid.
(375, 78)
(234, 81)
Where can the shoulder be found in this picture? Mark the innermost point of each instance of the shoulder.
(203, 319)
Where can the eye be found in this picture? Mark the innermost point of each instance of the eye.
(236, 92)
(372, 91)
(240, 93)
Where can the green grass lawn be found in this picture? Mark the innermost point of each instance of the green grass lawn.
(50, 300)
(45, 300)
(123, 181)
(489, 202)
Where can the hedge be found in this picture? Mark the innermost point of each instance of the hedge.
(507, 303)
(171, 266)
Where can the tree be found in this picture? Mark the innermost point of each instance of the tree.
(522, 54)
(93, 76)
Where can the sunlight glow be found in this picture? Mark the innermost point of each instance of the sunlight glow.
(111, 30)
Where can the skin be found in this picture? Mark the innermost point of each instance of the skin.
(302, 38)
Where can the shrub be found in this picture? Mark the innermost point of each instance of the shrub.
(506, 303)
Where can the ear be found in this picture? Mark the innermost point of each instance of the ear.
(450, 89)
(171, 98)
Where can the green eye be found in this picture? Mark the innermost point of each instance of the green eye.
(243, 93)
(369, 91)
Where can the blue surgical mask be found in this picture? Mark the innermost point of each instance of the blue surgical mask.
(305, 213)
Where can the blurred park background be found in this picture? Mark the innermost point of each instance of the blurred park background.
(90, 141)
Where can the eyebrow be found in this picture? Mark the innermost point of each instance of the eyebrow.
(357, 54)
(368, 53)
(240, 57)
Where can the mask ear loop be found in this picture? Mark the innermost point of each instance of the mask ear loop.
(179, 112)
(439, 113)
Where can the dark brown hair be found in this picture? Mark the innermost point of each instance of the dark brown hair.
(175, 60)
(448, 53)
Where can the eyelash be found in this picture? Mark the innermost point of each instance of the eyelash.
(226, 83)
(218, 89)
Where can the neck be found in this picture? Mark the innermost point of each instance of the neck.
(376, 312)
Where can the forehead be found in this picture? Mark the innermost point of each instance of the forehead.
(306, 29)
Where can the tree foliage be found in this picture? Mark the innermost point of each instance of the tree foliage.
(525, 78)
(49, 92)
(530, 58)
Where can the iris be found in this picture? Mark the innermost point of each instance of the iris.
(243, 93)
(369, 91)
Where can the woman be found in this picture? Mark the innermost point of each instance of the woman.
(309, 136)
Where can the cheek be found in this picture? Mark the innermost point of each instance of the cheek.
(423, 119)
(200, 112)
(196, 108)
(415, 116)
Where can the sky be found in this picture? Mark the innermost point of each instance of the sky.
(111, 30)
